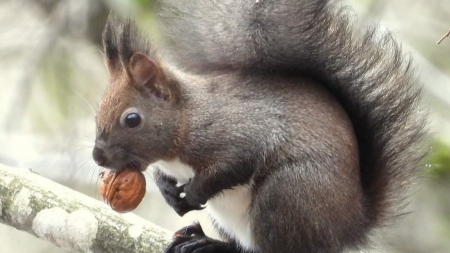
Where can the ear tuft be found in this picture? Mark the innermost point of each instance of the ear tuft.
(111, 45)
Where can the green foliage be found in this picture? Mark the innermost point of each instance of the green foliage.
(145, 3)
(438, 163)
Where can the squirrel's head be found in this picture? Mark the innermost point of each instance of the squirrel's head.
(137, 119)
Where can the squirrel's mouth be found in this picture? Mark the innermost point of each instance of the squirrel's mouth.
(136, 165)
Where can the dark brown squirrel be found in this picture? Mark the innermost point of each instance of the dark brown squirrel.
(299, 133)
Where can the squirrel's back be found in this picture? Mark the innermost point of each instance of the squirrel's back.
(366, 72)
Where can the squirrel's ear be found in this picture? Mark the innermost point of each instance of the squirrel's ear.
(145, 73)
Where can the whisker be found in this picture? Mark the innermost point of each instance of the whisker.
(87, 138)
(81, 149)
(85, 100)
(150, 175)
(80, 166)
(139, 159)
(92, 177)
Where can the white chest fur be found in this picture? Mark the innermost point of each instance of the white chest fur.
(230, 209)
(177, 169)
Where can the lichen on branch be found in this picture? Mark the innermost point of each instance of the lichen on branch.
(71, 220)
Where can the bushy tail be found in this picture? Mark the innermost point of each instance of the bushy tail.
(367, 73)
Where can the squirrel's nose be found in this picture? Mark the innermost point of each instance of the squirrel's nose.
(99, 156)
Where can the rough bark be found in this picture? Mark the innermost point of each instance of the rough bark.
(70, 219)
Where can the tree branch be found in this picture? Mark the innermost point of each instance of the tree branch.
(33, 59)
(70, 219)
(443, 37)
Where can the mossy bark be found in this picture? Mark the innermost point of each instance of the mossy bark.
(70, 219)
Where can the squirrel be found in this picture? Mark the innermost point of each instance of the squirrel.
(295, 130)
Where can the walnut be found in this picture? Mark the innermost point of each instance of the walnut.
(122, 190)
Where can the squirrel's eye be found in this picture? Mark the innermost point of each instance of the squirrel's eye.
(132, 120)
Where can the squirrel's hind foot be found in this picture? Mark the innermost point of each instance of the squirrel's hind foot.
(192, 239)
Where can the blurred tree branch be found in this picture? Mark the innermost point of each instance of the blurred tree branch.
(70, 219)
(443, 37)
(86, 17)
(31, 63)
(68, 18)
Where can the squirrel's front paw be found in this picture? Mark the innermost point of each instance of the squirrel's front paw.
(175, 195)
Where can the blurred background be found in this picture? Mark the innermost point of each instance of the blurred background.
(52, 77)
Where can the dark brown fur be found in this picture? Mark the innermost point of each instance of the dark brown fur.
(323, 121)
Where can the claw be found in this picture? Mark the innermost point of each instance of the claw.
(192, 230)
(192, 239)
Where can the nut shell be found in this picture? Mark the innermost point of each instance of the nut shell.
(122, 190)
